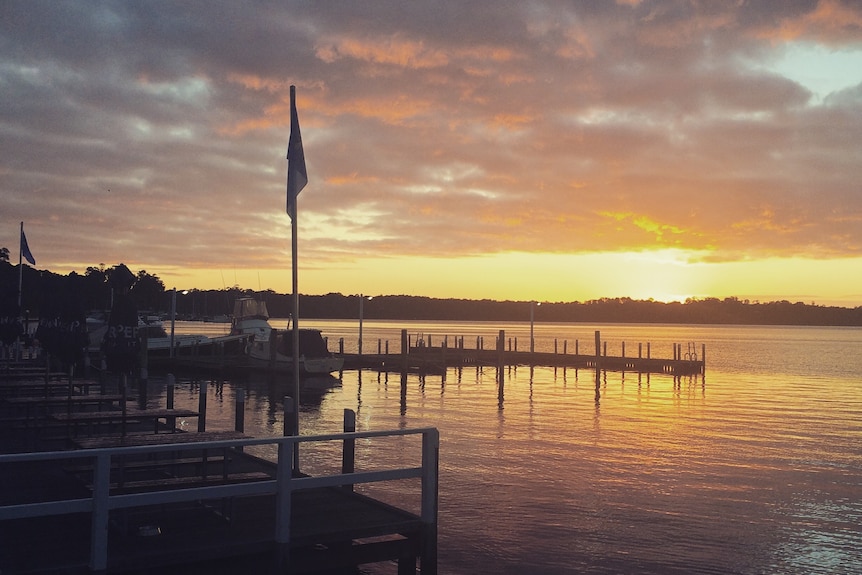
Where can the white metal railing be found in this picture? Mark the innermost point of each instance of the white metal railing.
(102, 501)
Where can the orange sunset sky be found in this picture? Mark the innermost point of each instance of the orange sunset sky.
(547, 150)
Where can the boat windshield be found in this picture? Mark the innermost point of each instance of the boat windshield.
(247, 307)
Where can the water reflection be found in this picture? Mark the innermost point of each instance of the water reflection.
(611, 476)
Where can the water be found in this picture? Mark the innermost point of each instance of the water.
(755, 468)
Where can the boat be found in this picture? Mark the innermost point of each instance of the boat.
(157, 338)
(250, 317)
(159, 342)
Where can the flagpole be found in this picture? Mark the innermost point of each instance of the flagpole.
(20, 265)
(295, 325)
(297, 178)
(20, 290)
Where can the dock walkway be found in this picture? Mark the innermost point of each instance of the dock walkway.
(194, 502)
(421, 356)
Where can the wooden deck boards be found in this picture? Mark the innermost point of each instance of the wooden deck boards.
(327, 524)
(191, 533)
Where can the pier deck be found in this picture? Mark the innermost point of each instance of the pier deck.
(147, 501)
(423, 357)
(324, 525)
(437, 359)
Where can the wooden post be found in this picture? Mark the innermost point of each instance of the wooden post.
(624, 349)
(598, 346)
(429, 502)
(703, 358)
(405, 348)
(648, 356)
(598, 354)
(565, 346)
(286, 457)
(501, 360)
(640, 350)
(348, 449)
(289, 425)
(202, 407)
(143, 350)
(99, 521)
(123, 382)
(239, 419)
(273, 347)
(605, 346)
(171, 383)
(341, 346)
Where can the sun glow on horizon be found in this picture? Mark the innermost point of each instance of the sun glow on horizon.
(662, 275)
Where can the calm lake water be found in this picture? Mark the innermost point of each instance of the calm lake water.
(755, 468)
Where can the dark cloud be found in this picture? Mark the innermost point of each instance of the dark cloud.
(156, 132)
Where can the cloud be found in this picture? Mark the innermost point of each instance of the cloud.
(447, 129)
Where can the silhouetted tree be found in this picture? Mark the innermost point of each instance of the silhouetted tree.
(147, 291)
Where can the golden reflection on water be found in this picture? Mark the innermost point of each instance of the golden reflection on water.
(753, 468)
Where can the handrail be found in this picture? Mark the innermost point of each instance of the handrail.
(284, 483)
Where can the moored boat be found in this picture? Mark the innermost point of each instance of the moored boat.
(152, 330)
(273, 348)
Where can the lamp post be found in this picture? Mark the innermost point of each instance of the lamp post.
(533, 305)
(174, 315)
(361, 305)
(173, 318)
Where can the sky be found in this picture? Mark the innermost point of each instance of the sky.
(513, 150)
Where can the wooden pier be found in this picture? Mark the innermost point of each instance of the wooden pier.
(128, 497)
(422, 356)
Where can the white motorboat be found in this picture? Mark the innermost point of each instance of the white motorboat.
(158, 340)
(250, 316)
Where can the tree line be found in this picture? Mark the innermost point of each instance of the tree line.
(46, 294)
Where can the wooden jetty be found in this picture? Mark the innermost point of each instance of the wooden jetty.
(420, 355)
(131, 494)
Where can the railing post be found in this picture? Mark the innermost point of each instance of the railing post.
(99, 520)
(348, 449)
(282, 508)
(430, 465)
